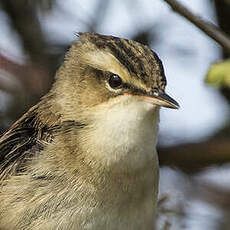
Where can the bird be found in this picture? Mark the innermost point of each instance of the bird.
(84, 157)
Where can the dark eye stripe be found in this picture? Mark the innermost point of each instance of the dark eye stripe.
(124, 86)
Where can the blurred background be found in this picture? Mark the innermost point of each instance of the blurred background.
(194, 142)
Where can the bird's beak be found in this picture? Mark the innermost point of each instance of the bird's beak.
(161, 99)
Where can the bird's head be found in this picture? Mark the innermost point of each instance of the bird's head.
(103, 73)
(114, 87)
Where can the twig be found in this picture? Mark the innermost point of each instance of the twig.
(208, 28)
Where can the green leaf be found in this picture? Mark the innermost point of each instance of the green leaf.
(219, 74)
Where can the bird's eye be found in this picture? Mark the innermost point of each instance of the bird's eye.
(115, 81)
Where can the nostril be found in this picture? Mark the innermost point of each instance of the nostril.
(155, 92)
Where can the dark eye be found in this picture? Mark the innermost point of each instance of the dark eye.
(115, 81)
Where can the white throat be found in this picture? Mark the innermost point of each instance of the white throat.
(125, 132)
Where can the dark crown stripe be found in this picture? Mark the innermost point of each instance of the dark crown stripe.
(125, 53)
(125, 47)
(137, 58)
(122, 57)
(117, 48)
(159, 62)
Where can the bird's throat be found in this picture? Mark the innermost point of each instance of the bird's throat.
(124, 136)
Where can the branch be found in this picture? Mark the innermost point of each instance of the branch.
(23, 17)
(208, 28)
(193, 157)
(32, 79)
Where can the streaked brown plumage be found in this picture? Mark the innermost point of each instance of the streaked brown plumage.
(84, 157)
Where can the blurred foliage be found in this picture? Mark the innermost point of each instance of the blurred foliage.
(219, 74)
